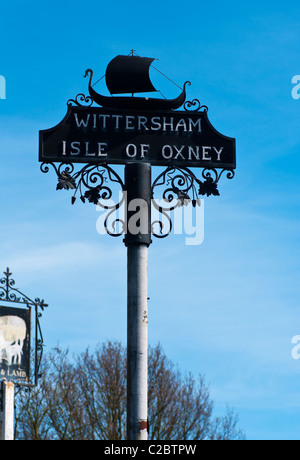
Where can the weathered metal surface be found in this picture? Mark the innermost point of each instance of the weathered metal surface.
(137, 342)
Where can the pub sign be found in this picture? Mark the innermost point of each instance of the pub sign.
(15, 327)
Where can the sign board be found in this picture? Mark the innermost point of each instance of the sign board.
(94, 134)
(14, 343)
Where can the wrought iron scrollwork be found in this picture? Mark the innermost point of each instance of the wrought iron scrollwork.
(178, 186)
(194, 106)
(91, 182)
(181, 187)
(9, 293)
(81, 100)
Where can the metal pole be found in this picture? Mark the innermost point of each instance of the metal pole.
(7, 411)
(137, 240)
(137, 342)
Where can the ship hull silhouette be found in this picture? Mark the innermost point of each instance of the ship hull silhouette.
(130, 74)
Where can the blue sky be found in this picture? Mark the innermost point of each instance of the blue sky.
(227, 308)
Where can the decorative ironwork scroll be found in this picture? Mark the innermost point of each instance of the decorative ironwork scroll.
(9, 293)
(177, 186)
(194, 106)
(93, 183)
(81, 100)
(180, 186)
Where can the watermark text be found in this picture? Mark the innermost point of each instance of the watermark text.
(2, 87)
(179, 218)
(296, 87)
(296, 348)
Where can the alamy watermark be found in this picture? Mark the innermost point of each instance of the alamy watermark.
(178, 218)
(296, 88)
(2, 87)
(296, 349)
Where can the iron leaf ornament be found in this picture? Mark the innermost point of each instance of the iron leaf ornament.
(65, 181)
(93, 195)
(209, 187)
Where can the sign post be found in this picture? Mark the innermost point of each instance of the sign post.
(7, 411)
(138, 186)
(139, 133)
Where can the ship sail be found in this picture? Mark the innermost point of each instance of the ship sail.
(129, 74)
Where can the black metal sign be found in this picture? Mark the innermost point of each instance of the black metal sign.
(15, 343)
(93, 135)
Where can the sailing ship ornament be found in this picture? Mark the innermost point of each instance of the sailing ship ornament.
(130, 74)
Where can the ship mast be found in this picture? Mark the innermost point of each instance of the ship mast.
(132, 54)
